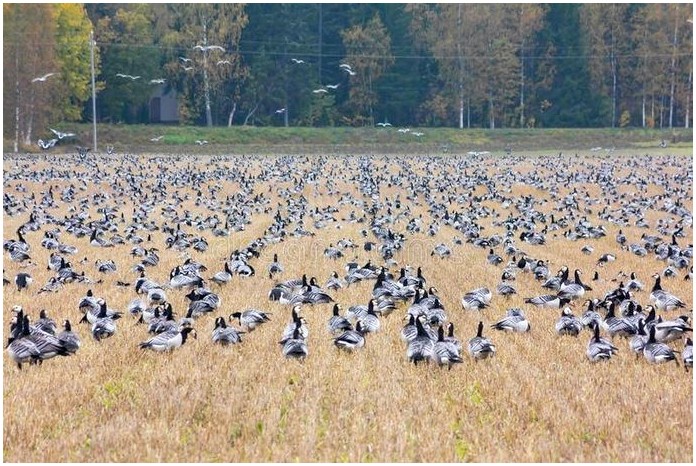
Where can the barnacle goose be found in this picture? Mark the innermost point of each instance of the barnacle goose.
(479, 346)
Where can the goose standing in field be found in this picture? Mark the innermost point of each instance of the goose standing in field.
(21, 349)
(515, 321)
(296, 346)
(688, 354)
(69, 339)
(663, 300)
(599, 349)
(505, 288)
(445, 352)
(370, 322)
(169, 340)
(656, 352)
(351, 339)
(49, 346)
(451, 338)
(549, 301)
(409, 331)
(222, 277)
(618, 325)
(335, 283)
(275, 267)
(104, 325)
(671, 330)
(338, 323)
(479, 346)
(250, 319)
(634, 284)
(605, 259)
(225, 335)
(476, 299)
(297, 323)
(421, 347)
(573, 290)
(638, 341)
(568, 324)
(44, 323)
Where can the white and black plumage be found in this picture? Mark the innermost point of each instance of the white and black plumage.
(370, 321)
(421, 347)
(505, 288)
(634, 284)
(599, 349)
(107, 266)
(474, 301)
(169, 340)
(251, 318)
(350, 339)
(70, 339)
(409, 331)
(493, 258)
(49, 346)
(295, 347)
(61, 135)
(45, 324)
(22, 280)
(688, 354)
(670, 330)
(45, 145)
(663, 300)
(156, 296)
(568, 324)
(338, 323)
(445, 352)
(620, 326)
(225, 335)
(479, 346)
(451, 338)
(335, 283)
(515, 321)
(275, 266)
(575, 289)
(297, 61)
(606, 258)
(20, 348)
(297, 323)
(222, 277)
(638, 341)
(656, 352)
(104, 325)
(207, 48)
(548, 300)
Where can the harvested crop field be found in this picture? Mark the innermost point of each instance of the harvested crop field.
(538, 398)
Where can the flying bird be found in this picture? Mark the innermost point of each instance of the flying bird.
(298, 61)
(157, 81)
(332, 86)
(384, 125)
(187, 68)
(201, 142)
(206, 48)
(223, 62)
(320, 90)
(133, 78)
(61, 135)
(42, 78)
(280, 110)
(45, 145)
(157, 138)
(185, 60)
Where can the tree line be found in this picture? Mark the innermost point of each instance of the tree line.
(457, 65)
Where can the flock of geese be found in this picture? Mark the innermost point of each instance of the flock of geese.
(136, 211)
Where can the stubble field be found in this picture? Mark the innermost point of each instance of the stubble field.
(537, 399)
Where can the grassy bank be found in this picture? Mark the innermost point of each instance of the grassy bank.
(220, 139)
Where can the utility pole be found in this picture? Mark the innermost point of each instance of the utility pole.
(321, 21)
(94, 92)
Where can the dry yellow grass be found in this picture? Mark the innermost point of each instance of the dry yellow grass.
(538, 399)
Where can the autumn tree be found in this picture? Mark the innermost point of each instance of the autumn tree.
(368, 52)
(72, 48)
(206, 61)
(28, 54)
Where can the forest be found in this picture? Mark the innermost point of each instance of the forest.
(437, 65)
